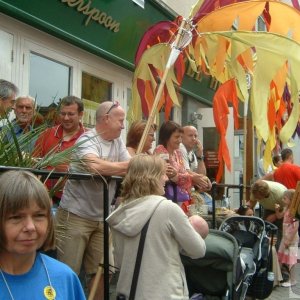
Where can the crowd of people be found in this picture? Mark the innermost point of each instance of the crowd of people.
(274, 192)
(173, 170)
(79, 216)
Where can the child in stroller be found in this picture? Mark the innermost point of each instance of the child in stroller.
(216, 275)
(238, 261)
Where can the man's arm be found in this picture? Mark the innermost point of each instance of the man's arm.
(95, 164)
(201, 169)
(269, 176)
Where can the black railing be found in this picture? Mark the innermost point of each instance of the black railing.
(214, 193)
(106, 204)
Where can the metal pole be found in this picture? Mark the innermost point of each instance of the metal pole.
(159, 92)
(213, 193)
(106, 241)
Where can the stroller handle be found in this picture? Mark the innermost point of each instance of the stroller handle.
(270, 227)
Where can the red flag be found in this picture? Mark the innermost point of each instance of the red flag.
(226, 93)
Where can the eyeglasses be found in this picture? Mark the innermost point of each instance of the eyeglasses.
(69, 114)
(114, 104)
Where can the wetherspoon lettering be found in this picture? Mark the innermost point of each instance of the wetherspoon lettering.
(93, 14)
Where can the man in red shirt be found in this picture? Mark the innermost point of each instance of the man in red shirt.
(62, 136)
(287, 173)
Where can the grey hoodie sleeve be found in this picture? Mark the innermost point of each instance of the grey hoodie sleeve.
(191, 243)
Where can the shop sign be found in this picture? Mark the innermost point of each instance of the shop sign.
(211, 159)
(93, 14)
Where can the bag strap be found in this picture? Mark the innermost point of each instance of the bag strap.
(137, 266)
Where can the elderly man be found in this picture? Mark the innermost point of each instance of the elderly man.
(24, 111)
(79, 217)
(8, 93)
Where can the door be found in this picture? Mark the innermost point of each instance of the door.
(210, 139)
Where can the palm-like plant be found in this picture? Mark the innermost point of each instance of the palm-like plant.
(19, 151)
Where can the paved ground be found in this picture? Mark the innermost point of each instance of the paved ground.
(281, 293)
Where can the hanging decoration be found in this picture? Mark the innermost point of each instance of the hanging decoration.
(235, 42)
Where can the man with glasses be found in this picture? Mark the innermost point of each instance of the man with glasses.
(62, 136)
(79, 217)
(8, 93)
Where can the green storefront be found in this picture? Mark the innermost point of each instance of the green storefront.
(108, 29)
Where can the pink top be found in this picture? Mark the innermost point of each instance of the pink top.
(176, 161)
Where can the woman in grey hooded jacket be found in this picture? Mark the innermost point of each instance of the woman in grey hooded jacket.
(169, 233)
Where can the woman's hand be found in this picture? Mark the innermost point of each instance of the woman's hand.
(171, 171)
(202, 182)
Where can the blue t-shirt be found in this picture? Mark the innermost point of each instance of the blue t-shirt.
(31, 285)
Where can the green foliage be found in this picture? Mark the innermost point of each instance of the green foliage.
(19, 151)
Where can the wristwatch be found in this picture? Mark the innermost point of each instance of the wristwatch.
(200, 157)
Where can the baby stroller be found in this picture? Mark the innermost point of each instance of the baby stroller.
(216, 275)
(253, 236)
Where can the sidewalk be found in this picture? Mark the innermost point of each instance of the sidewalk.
(281, 293)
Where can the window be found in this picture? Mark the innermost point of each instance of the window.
(94, 91)
(6, 55)
(49, 81)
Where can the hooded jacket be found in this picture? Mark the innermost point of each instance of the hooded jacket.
(169, 233)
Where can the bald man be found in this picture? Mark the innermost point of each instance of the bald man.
(79, 217)
(192, 152)
(200, 225)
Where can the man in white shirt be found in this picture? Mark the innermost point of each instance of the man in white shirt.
(193, 158)
(192, 150)
(79, 217)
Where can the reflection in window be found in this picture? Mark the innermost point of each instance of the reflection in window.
(49, 82)
(94, 91)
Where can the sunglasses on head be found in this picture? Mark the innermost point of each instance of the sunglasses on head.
(114, 104)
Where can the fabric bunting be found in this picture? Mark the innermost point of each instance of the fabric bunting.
(232, 41)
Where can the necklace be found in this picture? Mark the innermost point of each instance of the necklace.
(49, 291)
